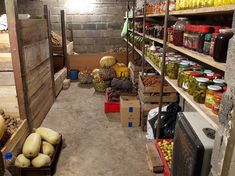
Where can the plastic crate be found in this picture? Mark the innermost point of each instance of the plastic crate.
(166, 171)
(110, 106)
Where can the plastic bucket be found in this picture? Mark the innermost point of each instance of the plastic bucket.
(73, 74)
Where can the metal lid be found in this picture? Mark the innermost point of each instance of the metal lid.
(208, 71)
(202, 79)
(219, 81)
(214, 87)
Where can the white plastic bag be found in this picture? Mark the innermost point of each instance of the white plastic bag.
(125, 29)
(152, 113)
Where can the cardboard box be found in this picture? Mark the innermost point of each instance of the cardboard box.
(130, 111)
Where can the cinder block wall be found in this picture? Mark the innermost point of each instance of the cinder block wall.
(96, 31)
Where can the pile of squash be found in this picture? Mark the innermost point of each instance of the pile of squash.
(38, 148)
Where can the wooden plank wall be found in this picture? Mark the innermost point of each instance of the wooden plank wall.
(37, 69)
(8, 97)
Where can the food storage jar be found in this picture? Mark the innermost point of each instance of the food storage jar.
(172, 69)
(186, 80)
(211, 89)
(178, 31)
(207, 43)
(212, 45)
(217, 102)
(221, 45)
(201, 31)
(192, 81)
(183, 66)
(199, 94)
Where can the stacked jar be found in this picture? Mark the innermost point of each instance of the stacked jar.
(178, 31)
(183, 66)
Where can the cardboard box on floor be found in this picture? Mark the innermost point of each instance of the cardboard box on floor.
(92, 61)
(130, 111)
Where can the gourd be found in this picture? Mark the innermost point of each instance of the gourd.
(47, 149)
(107, 61)
(41, 160)
(2, 127)
(22, 161)
(32, 145)
(49, 135)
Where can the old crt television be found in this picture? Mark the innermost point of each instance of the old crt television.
(193, 144)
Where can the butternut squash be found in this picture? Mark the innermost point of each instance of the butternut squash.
(32, 145)
(41, 160)
(2, 127)
(47, 148)
(49, 135)
(22, 161)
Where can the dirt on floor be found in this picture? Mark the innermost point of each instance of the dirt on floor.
(95, 144)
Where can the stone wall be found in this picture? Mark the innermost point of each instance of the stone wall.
(95, 31)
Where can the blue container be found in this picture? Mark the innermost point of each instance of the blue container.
(73, 74)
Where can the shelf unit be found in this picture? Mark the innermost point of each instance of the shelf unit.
(200, 11)
(198, 56)
(202, 109)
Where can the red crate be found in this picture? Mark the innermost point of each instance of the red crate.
(166, 171)
(110, 106)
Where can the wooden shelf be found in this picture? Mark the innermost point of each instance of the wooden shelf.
(201, 108)
(200, 11)
(198, 56)
(11, 145)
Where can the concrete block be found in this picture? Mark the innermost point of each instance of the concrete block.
(101, 26)
(74, 26)
(114, 25)
(89, 26)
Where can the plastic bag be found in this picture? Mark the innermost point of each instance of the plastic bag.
(125, 29)
(152, 122)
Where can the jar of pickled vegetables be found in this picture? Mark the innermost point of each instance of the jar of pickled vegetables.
(211, 90)
(183, 66)
(192, 81)
(199, 94)
(186, 80)
(172, 69)
(217, 102)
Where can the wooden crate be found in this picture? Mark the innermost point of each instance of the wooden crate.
(155, 98)
(156, 89)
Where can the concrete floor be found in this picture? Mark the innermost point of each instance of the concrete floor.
(95, 144)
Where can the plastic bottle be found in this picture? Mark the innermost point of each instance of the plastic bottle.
(8, 162)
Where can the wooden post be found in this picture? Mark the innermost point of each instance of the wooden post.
(64, 41)
(47, 17)
(162, 68)
(17, 57)
(127, 43)
(143, 47)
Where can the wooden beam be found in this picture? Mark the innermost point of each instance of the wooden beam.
(48, 18)
(64, 40)
(17, 56)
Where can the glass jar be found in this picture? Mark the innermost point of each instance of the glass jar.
(217, 102)
(212, 45)
(183, 66)
(221, 45)
(192, 82)
(199, 94)
(172, 69)
(207, 43)
(186, 80)
(178, 31)
(211, 89)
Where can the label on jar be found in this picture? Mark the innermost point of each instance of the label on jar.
(210, 99)
(185, 85)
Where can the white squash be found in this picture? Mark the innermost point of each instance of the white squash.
(32, 145)
(41, 160)
(107, 61)
(49, 135)
(47, 148)
(22, 161)
(2, 127)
